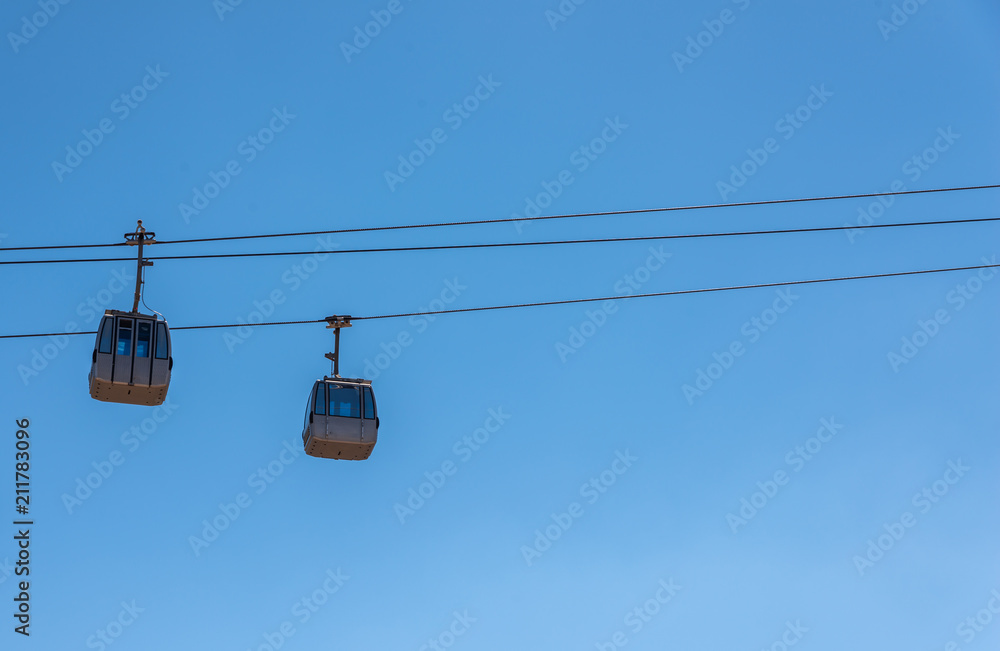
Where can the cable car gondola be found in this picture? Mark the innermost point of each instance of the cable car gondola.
(132, 358)
(131, 361)
(341, 419)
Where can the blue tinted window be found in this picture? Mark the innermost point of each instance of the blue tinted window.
(319, 406)
(143, 335)
(369, 404)
(125, 337)
(107, 334)
(345, 401)
(162, 350)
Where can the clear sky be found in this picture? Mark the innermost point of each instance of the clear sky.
(815, 467)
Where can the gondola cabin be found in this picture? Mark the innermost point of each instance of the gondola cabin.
(341, 421)
(132, 360)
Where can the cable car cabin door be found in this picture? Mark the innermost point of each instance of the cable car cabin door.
(142, 352)
(343, 421)
(133, 351)
(124, 337)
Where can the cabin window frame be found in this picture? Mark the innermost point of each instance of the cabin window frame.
(317, 392)
(367, 396)
(106, 337)
(131, 339)
(357, 392)
(147, 350)
(161, 337)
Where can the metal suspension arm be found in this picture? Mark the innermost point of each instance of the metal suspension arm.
(138, 238)
(336, 323)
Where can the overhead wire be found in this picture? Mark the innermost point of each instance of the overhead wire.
(491, 245)
(61, 246)
(369, 229)
(766, 202)
(680, 292)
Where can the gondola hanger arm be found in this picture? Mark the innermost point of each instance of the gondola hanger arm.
(335, 323)
(139, 238)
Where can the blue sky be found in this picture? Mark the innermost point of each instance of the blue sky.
(568, 476)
